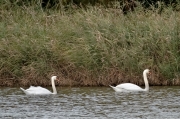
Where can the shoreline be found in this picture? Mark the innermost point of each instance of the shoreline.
(98, 82)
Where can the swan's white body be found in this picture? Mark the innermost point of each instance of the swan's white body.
(128, 87)
(39, 90)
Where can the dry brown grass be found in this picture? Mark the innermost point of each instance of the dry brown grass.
(69, 76)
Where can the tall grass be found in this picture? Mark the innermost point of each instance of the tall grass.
(96, 46)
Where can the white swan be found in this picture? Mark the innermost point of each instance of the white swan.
(125, 87)
(39, 90)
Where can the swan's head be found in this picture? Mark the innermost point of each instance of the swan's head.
(54, 77)
(146, 71)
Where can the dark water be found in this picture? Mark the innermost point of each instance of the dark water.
(91, 102)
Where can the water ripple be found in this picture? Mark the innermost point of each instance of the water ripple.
(91, 102)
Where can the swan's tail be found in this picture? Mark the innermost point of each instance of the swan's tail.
(112, 87)
(23, 90)
(115, 88)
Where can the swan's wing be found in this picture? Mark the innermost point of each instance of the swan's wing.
(37, 90)
(129, 86)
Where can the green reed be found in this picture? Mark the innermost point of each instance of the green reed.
(37, 42)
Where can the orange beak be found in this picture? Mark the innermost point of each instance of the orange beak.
(57, 78)
(149, 72)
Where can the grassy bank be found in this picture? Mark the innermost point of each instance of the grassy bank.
(96, 47)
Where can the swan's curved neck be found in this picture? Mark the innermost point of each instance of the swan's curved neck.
(145, 81)
(53, 86)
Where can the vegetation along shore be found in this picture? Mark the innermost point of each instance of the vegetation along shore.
(96, 46)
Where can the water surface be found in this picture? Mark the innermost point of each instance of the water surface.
(91, 102)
